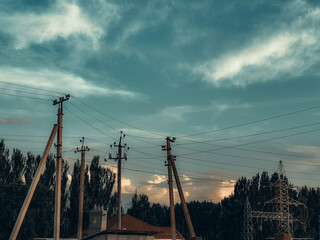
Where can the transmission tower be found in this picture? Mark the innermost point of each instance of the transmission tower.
(247, 222)
(282, 214)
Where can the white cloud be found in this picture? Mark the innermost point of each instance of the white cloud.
(64, 20)
(225, 190)
(157, 179)
(290, 50)
(310, 150)
(126, 186)
(59, 82)
(176, 112)
(193, 189)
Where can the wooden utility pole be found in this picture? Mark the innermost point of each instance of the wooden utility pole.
(183, 201)
(119, 158)
(81, 187)
(169, 164)
(33, 185)
(172, 165)
(57, 208)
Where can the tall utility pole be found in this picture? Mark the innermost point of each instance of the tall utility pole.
(57, 207)
(33, 185)
(81, 187)
(119, 158)
(169, 164)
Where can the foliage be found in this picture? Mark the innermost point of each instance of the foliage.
(16, 174)
(224, 220)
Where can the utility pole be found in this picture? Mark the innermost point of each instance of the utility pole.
(183, 201)
(33, 185)
(57, 207)
(81, 187)
(169, 164)
(119, 158)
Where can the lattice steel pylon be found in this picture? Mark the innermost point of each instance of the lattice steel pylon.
(247, 222)
(283, 202)
(282, 213)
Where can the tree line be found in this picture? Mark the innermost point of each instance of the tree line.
(16, 174)
(212, 221)
(224, 220)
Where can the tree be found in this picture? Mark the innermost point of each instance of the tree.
(140, 207)
(98, 187)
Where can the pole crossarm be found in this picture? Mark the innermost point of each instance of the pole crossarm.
(291, 201)
(268, 215)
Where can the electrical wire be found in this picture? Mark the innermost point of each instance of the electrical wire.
(249, 143)
(7, 94)
(89, 124)
(248, 135)
(258, 159)
(94, 117)
(40, 89)
(115, 119)
(252, 122)
(21, 91)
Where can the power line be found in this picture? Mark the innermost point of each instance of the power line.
(35, 136)
(257, 159)
(249, 143)
(252, 122)
(34, 93)
(14, 95)
(89, 124)
(245, 166)
(40, 89)
(140, 140)
(95, 118)
(248, 135)
(115, 119)
(228, 164)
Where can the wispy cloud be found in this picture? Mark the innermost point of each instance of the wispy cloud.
(177, 113)
(64, 20)
(309, 150)
(60, 82)
(289, 50)
(157, 179)
(13, 121)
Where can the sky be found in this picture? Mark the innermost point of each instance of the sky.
(236, 82)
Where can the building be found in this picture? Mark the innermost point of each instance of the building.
(132, 228)
(129, 222)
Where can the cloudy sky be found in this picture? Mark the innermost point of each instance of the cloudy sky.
(236, 82)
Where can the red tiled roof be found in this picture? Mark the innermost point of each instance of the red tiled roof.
(129, 222)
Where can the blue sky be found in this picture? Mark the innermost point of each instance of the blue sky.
(167, 68)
